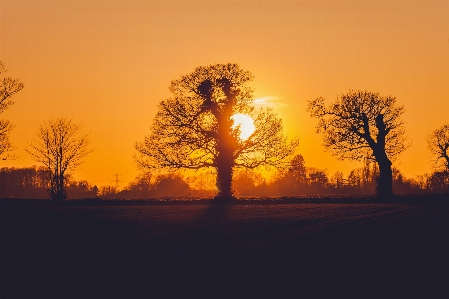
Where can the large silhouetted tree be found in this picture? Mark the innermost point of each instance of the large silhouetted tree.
(439, 146)
(193, 129)
(362, 123)
(8, 87)
(60, 147)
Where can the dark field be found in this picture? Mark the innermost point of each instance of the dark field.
(297, 249)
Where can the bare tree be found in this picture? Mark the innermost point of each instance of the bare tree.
(438, 143)
(362, 123)
(8, 87)
(61, 149)
(194, 129)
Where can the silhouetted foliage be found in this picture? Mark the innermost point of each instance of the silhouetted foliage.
(359, 181)
(194, 128)
(362, 123)
(171, 185)
(8, 87)
(438, 182)
(30, 182)
(79, 189)
(147, 185)
(141, 187)
(402, 185)
(298, 171)
(108, 192)
(61, 149)
(438, 143)
(248, 183)
(337, 180)
(203, 180)
(298, 179)
(318, 178)
(203, 183)
(33, 182)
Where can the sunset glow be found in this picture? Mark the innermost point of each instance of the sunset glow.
(246, 124)
(108, 64)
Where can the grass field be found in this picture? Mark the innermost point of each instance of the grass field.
(255, 249)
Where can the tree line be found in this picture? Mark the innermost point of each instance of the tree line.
(34, 182)
(194, 130)
(297, 180)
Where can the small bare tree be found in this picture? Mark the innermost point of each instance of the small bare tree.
(8, 87)
(438, 143)
(61, 149)
(361, 124)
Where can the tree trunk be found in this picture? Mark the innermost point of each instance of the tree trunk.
(224, 178)
(446, 157)
(58, 191)
(226, 141)
(384, 188)
(61, 187)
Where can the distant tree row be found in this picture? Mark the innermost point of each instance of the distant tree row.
(295, 181)
(299, 180)
(33, 182)
(151, 186)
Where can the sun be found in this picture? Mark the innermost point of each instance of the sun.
(246, 124)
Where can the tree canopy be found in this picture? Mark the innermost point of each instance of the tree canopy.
(8, 87)
(194, 128)
(362, 124)
(438, 143)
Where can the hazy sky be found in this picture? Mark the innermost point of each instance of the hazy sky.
(107, 64)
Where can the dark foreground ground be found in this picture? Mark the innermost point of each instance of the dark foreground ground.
(284, 249)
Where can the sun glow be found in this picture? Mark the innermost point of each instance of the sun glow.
(246, 124)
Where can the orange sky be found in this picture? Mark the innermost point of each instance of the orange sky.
(108, 64)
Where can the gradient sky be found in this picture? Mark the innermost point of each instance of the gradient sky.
(107, 64)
